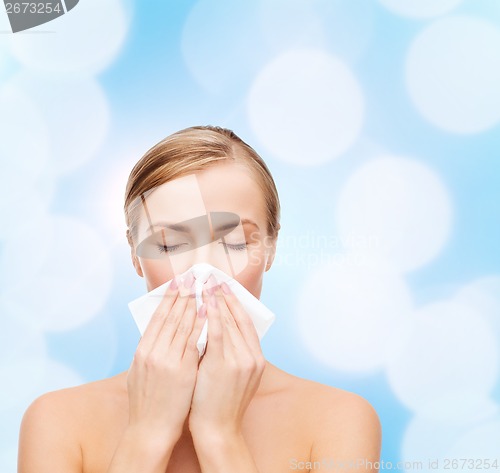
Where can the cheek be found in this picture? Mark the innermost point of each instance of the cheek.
(156, 272)
(251, 279)
(257, 250)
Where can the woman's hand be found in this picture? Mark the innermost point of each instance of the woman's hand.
(230, 370)
(162, 376)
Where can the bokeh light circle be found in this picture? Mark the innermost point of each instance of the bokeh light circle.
(479, 443)
(85, 39)
(399, 204)
(74, 137)
(354, 317)
(306, 107)
(483, 294)
(427, 440)
(343, 28)
(420, 8)
(220, 43)
(25, 143)
(453, 72)
(72, 282)
(450, 350)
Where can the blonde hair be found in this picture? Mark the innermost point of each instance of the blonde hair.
(190, 150)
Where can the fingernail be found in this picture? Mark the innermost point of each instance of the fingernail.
(202, 312)
(188, 282)
(173, 284)
(211, 283)
(225, 288)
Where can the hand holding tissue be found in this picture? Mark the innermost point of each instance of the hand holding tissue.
(143, 307)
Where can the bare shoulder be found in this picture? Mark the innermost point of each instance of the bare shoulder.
(340, 405)
(341, 423)
(345, 426)
(53, 426)
(327, 399)
(82, 399)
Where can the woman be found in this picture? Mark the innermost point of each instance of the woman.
(231, 410)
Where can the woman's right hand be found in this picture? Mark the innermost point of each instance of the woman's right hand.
(162, 375)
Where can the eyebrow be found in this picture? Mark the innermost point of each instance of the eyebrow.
(178, 227)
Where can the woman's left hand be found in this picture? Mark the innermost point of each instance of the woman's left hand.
(230, 371)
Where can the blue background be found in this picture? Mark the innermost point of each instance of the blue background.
(138, 71)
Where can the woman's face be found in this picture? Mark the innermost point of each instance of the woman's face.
(215, 216)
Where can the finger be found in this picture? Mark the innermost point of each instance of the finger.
(242, 319)
(185, 326)
(173, 318)
(158, 318)
(214, 336)
(233, 342)
(191, 350)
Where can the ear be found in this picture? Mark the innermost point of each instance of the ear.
(136, 263)
(135, 259)
(271, 252)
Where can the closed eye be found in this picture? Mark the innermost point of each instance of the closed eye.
(173, 248)
(239, 247)
(169, 249)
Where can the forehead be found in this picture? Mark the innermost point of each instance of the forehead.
(221, 187)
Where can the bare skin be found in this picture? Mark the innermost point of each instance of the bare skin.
(287, 421)
(283, 421)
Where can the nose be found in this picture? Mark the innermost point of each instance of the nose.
(203, 260)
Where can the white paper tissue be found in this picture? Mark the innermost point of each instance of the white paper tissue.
(143, 307)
